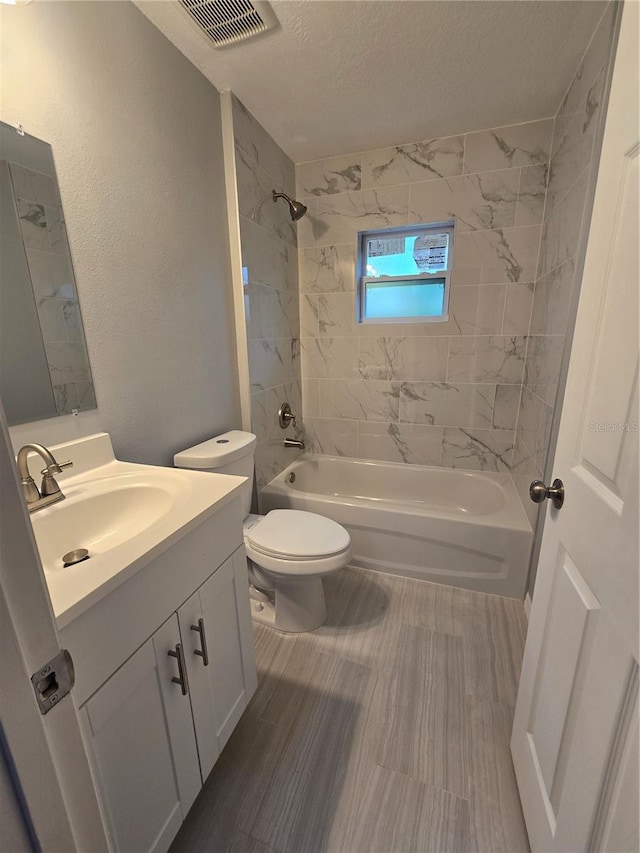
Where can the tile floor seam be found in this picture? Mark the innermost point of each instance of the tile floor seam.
(426, 784)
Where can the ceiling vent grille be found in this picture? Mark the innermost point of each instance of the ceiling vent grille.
(227, 22)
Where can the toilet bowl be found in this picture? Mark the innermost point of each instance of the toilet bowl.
(288, 551)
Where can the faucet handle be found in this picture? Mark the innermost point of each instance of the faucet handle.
(56, 468)
(49, 485)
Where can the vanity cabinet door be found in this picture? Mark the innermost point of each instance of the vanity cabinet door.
(215, 625)
(141, 735)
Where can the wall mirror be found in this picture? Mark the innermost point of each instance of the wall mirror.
(44, 365)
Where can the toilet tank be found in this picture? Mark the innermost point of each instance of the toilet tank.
(229, 453)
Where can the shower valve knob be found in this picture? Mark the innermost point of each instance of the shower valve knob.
(286, 416)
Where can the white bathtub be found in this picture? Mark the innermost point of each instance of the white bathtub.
(463, 528)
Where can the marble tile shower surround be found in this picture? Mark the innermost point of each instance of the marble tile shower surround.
(475, 392)
(572, 175)
(270, 271)
(426, 393)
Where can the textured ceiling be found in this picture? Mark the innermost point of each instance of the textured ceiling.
(340, 76)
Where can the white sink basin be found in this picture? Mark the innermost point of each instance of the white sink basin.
(98, 520)
(123, 513)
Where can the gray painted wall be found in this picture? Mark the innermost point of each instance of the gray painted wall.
(136, 136)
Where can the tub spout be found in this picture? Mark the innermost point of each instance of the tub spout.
(293, 442)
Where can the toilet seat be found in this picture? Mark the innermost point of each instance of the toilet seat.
(296, 545)
(296, 570)
(290, 534)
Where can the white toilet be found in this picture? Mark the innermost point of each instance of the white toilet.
(288, 551)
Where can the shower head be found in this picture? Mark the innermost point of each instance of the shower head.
(296, 208)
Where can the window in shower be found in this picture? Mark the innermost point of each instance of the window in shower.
(403, 274)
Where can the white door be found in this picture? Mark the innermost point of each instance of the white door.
(575, 735)
(47, 752)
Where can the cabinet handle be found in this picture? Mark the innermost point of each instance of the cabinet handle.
(202, 651)
(182, 669)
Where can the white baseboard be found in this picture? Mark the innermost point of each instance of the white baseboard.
(527, 605)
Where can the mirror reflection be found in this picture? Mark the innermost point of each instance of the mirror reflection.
(44, 365)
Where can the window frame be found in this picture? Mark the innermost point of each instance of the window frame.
(416, 230)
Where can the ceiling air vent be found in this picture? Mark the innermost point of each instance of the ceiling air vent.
(227, 22)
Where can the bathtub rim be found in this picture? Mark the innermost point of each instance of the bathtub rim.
(512, 516)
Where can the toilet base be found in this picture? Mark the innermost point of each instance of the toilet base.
(263, 612)
(298, 606)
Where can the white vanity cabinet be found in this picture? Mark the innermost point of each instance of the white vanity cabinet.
(155, 717)
(140, 730)
(215, 626)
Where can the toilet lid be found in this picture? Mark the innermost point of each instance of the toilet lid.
(296, 534)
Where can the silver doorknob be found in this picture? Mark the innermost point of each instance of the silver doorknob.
(538, 492)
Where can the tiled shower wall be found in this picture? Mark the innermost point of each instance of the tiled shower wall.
(572, 175)
(434, 393)
(270, 272)
(476, 392)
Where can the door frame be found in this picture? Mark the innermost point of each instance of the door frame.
(52, 774)
(581, 255)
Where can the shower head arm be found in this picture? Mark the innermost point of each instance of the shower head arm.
(277, 195)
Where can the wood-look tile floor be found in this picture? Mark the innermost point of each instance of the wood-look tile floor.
(385, 731)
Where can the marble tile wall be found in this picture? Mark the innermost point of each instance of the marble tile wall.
(426, 393)
(572, 175)
(476, 392)
(46, 247)
(270, 273)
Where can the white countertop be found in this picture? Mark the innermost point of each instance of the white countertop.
(188, 498)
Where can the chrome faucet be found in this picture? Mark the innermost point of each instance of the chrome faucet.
(293, 442)
(49, 492)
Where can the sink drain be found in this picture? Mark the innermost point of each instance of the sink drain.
(74, 557)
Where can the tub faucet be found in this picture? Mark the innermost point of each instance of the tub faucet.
(49, 492)
(293, 442)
